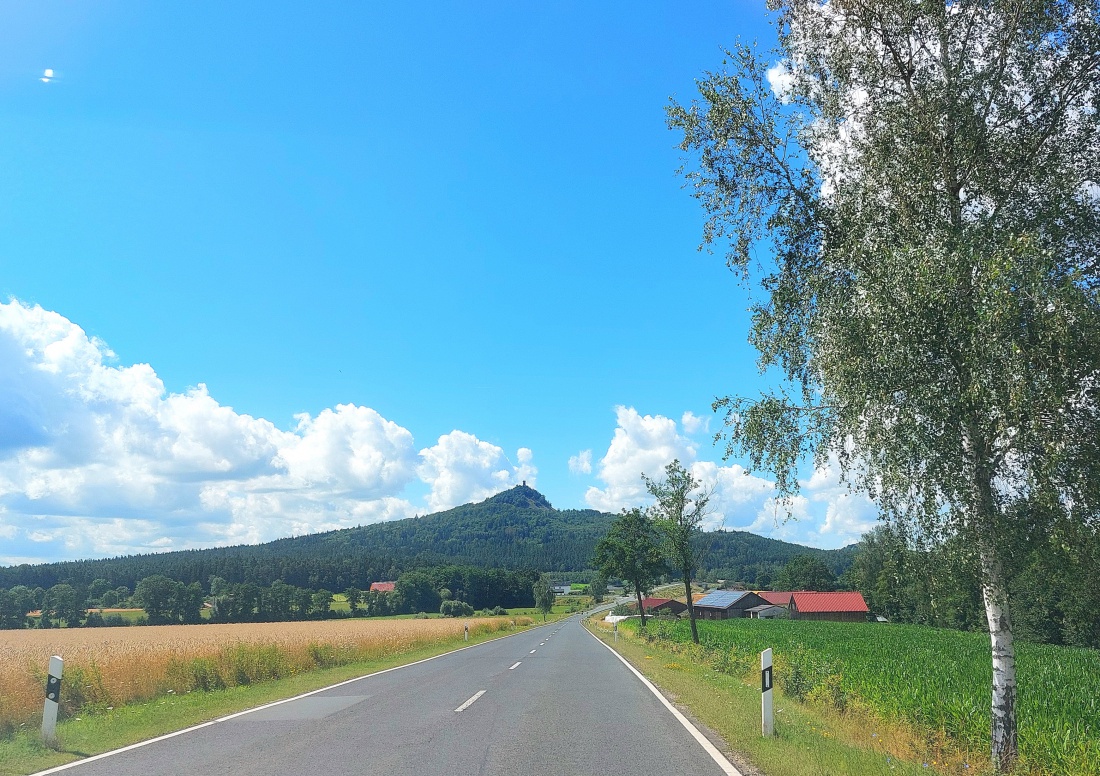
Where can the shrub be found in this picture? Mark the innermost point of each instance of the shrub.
(456, 609)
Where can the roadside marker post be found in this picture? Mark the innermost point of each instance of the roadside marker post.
(615, 628)
(466, 631)
(53, 699)
(767, 714)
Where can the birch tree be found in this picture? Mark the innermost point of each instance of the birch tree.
(924, 176)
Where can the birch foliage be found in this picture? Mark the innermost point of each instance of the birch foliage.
(925, 175)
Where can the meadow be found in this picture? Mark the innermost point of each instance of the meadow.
(937, 681)
(109, 667)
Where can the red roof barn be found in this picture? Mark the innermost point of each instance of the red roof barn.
(666, 605)
(840, 607)
(382, 587)
(775, 598)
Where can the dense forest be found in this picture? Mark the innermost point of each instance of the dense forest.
(517, 529)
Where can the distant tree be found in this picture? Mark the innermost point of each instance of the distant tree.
(218, 586)
(10, 616)
(321, 603)
(416, 591)
(597, 588)
(805, 572)
(544, 595)
(156, 594)
(278, 601)
(302, 603)
(22, 598)
(62, 604)
(96, 590)
(109, 599)
(353, 595)
(629, 550)
(187, 603)
(680, 509)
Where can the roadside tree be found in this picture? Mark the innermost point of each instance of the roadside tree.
(544, 595)
(678, 514)
(629, 550)
(925, 178)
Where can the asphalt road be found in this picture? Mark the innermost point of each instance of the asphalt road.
(552, 700)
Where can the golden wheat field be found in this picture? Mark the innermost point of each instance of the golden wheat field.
(107, 667)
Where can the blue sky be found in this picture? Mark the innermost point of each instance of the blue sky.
(268, 269)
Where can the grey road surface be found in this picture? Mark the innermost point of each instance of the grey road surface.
(552, 701)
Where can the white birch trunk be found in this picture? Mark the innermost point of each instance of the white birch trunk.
(1003, 728)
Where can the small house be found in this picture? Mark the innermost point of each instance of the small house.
(726, 604)
(662, 606)
(382, 587)
(838, 607)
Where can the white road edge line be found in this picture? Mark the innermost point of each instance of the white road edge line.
(719, 758)
(513, 667)
(470, 702)
(166, 736)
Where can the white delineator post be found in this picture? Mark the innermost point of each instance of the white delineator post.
(767, 715)
(53, 698)
(466, 631)
(615, 627)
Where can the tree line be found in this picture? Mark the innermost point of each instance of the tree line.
(938, 584)
(455, 590)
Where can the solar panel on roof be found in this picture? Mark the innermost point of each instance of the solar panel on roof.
(721, 599)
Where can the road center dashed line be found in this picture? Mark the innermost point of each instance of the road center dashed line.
(470, 702)
(531, 652)
(513, 667)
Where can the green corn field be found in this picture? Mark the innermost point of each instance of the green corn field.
(938, 680)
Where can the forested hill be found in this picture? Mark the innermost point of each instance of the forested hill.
(518, 529)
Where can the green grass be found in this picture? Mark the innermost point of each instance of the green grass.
(93, 733)
(806, 743)
(935, 680)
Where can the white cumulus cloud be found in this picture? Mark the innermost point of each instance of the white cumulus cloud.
(462, 468)
(694, 424)
(581, 463)
(642, 444)
(825, 513)
(99, 459)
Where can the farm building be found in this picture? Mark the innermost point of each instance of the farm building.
(382, 587)
(726, 604)
(662, 605)
(776, 598)
(767, 612)
(839, 607)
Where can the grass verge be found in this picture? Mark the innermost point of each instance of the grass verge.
(808, 742)
(94, 733)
